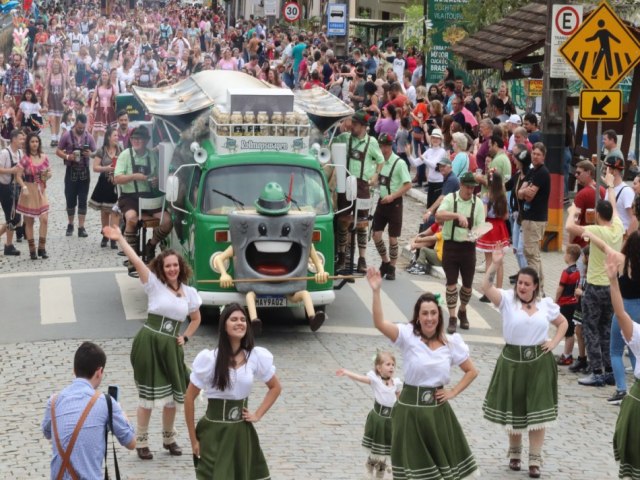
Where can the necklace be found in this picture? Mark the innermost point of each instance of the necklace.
(528, 305)
(175, 290)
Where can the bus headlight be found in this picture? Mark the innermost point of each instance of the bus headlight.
(212, 265)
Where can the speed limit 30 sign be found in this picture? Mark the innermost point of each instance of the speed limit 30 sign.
(291, 12)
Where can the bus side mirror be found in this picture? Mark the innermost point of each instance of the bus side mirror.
(172, 186)
(351, 188)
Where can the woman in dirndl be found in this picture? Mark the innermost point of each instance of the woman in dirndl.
(157, 353)
(54, 93)
(523, 393)
(104, 194)
(33, 202)
(103, 105)
(225, 443)
(427, 441)
(627, 432)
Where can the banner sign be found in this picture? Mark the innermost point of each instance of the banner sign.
(445, 15)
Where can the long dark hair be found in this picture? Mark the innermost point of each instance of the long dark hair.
(224, 354)
(631, 252)
(31, 135)
(497, 195)
(417, 330)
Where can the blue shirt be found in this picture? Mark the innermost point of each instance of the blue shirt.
(89, 448)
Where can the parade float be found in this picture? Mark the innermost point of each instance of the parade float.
(221, 138)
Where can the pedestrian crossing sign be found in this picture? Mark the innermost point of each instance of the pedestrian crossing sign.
(602, 51)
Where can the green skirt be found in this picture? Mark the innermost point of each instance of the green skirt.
(158, 363)
(427, 441)
(377, 432)
(229, 446)
(626, 439)
(523, 393)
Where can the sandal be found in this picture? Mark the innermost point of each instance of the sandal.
(144, 453)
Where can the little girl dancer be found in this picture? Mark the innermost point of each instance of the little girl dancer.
(377, 429)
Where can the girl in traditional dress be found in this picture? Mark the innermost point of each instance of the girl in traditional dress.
(523, 393)
(54, 93)
(8, 121)
(225, 443)
(33, 202)
(627, 433)
(497, 211)
(103, 103)
(29, 111)
(427, 439)
(377, 429)
(157, 354)
(104, 195)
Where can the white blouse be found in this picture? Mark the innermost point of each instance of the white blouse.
(518, 328)
(163, 301)
(424, 367)
(384, 394)
(634, 345)
(431, 158)
(259, 365)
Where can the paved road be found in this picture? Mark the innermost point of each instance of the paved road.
(314, 429)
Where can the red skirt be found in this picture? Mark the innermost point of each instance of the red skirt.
(497, 235)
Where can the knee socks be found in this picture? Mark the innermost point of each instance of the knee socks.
(393, 252)
(536, 439)
(452, 298)
(42, 242)
(362, 237)
(132, 239)
(159, 234)
(168, 432)
(142, 436)
(32, 245)
(342, 237)
(465, 296)
(381, 247)
(515, 447)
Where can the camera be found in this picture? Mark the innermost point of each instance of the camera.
(141, 169)
(113, 391)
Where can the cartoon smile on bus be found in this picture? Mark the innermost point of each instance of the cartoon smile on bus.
(271, 247)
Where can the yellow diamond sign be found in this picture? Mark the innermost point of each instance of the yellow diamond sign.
(603, 50)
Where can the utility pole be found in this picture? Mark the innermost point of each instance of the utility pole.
(554, 106)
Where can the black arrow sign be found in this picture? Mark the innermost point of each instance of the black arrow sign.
(597, 107)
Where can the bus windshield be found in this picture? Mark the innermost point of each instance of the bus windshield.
(237, 187)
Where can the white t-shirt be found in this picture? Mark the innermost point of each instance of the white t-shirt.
(424, 367)
(431, 158)
(384, 394)
(634, 346)
(411, 95)
(624, 201)
(518, 328)
(259, 366)
(163, 301)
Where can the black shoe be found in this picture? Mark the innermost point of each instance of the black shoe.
(114, 244)
(132, 272)
(391, 273)
(579, 365)
(149, 252)
(384, 268)
(362, 265)
(464, 321)
(34, 255)
(69, 230)
(82, 233)
(616, 398)
(485, 299)
(10, 250)
(340, 262)
(104, 242)
(316, 321)
(42, 253)
(609, 379)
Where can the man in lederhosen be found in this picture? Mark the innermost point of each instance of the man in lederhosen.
(394, 181)
(137, 174)
(364, 161)
(9, 190)
(460, 212)
(76, 148)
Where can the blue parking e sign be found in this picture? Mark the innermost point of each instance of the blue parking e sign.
(336, 20)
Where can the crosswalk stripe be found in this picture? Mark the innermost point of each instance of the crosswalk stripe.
(390, 310)
(56, 301)
(475, 319)
(134, 300)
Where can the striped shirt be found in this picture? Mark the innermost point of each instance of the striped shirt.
(90, 446)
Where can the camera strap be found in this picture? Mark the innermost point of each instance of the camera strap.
(106, 443)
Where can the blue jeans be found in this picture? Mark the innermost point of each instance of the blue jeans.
(632, 307)
(518, 240)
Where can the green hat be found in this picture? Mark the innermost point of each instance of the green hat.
(468, 179)
(385, 139)
(361, 117)
(272, 200)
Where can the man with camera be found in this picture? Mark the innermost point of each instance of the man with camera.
(76, 148)
(137, 174)
(77, 418)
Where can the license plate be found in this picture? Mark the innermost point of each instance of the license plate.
(271, 301)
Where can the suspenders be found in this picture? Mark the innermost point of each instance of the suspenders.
(455, 210)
